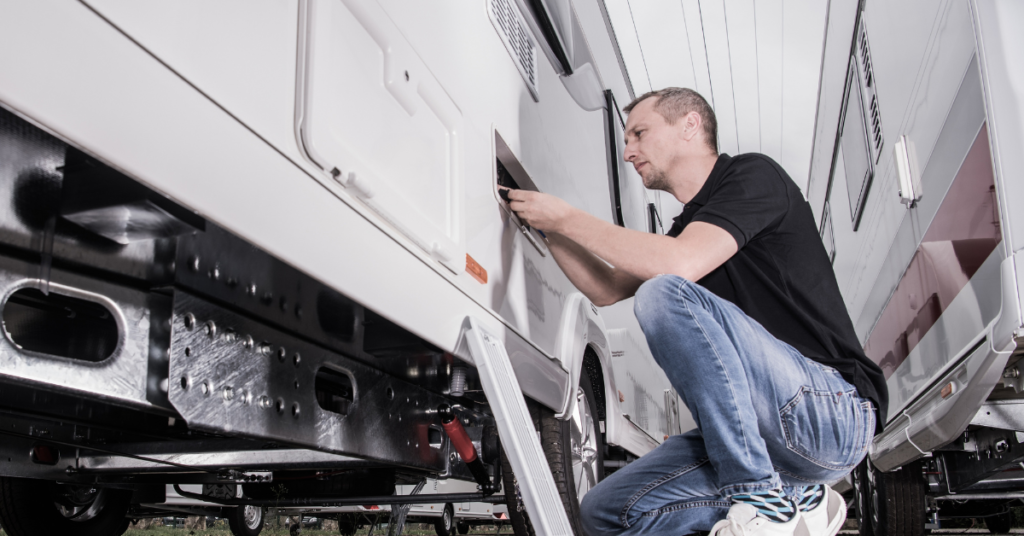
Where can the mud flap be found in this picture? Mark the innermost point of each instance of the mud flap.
(540, 496)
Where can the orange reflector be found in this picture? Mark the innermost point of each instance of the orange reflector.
(948, 389)
(622, 397)
(371, 507)
(476, 270)
(501, 515)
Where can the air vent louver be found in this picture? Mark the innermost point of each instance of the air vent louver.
(515, 34)
(867, 81)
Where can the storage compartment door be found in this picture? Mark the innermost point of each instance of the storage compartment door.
(373, 116)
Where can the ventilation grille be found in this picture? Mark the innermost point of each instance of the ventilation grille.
(867, 81)
(508, 21)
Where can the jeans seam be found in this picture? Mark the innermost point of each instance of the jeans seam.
(623, 515)
(746, 445)
(687, 505)
(796, 476)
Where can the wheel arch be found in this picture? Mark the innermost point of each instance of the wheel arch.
(581, 333)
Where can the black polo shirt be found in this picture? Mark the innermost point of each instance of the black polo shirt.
(781, 276)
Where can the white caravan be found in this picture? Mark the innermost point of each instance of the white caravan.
(915, 177)
(261, 243)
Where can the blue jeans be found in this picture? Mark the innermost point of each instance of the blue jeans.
(767, 418)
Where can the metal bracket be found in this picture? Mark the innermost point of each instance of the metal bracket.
(234, 376)
(540, 496)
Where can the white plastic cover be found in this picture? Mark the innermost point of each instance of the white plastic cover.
(374, 116)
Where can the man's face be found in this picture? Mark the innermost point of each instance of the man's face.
(651, 144)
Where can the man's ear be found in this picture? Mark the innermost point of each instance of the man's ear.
(691, 125)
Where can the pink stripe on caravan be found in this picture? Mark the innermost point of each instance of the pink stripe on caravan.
(963, 234)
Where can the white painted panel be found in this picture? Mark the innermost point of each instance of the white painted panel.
(666, 51)
(604, 48)
(251, 74)
(803, 39)
(842, 16)
(744, 65)
(768, 19)
(620, 12)
(1000, 42)
(716, 38)
(694, 30)
(376, 114)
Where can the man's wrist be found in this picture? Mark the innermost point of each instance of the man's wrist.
(567, 222)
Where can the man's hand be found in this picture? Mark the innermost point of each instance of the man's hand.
(541, 211)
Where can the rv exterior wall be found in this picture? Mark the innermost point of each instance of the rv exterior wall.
(1001, 71)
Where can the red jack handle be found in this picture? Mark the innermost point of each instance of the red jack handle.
(463, 445)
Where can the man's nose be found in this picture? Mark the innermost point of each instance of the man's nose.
(629, 153)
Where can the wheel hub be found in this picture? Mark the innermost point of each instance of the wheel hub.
(80, 503)
(584, 441)
(252, 516)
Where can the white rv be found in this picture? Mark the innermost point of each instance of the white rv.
(915, 180)
(260, 243)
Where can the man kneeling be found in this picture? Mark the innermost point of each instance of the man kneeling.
(741, 309)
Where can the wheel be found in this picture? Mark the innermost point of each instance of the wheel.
(862, 496)
(897, 501)
(575, 453)
(246, 520)
(462, 527)
(31, 507)
(1000, 523)
(347, 524)
(443, 525)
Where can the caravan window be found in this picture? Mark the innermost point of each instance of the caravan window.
(854, 141)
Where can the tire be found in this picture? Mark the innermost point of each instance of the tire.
(862, 496)
(1000, 523)
(246, 520)
(32, 507)
(575, 453)
(348, 524)
(897, 501)
(462, 527)
(445, 524)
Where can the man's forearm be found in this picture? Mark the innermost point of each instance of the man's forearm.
(599, 282)
(701, 247)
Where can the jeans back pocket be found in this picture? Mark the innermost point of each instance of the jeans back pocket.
(828, 429)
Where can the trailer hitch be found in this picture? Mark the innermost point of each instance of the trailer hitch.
(464, 446)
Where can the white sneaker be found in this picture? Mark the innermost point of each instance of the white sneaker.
(743, 520)
(827, 518)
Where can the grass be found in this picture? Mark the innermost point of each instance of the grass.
(220, 528)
